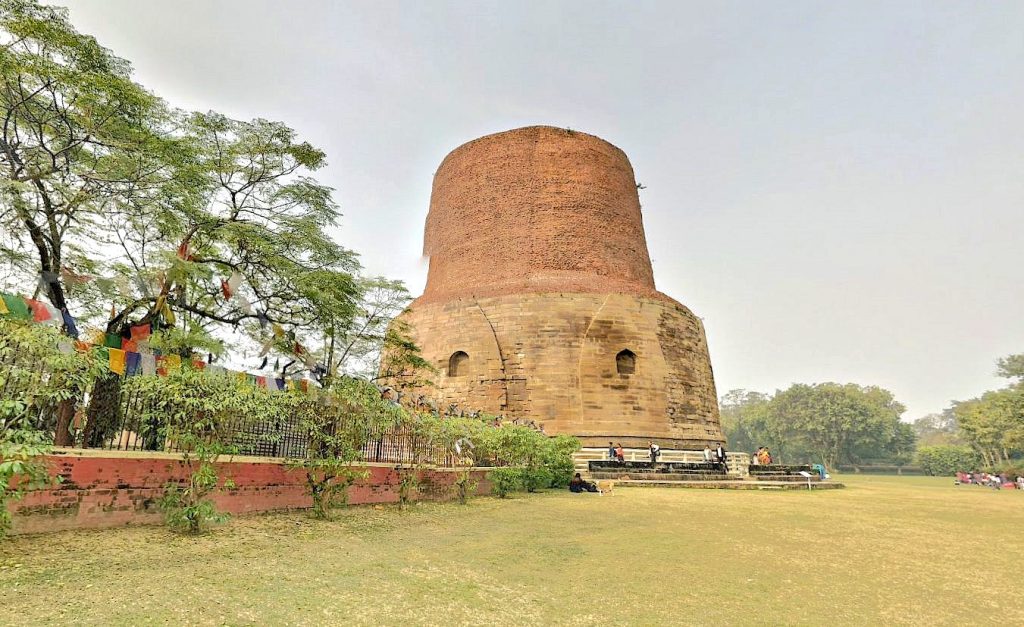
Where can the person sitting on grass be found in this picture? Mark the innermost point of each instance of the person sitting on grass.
(578, 485)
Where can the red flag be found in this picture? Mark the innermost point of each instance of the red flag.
(39, 311)
(140, 332)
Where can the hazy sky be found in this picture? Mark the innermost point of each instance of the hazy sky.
(837, 188)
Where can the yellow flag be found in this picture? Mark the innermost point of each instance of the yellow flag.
(172, 362)
(168, 315)
(116, 360)
(3, 308)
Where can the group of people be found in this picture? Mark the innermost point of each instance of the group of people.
(761, 457)
(990, 480)
(617, 453)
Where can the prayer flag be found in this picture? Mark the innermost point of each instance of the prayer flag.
(244, 305)
(39, 312)
(72, 278)
(261, 382)
(168, 315)
(3, 308)
(117, 360)
(112, 340)
(148, 363)
(69, 323)
(141, 332)
(235, 281)
(129, 345)
(16, 307)
(161, 366)
(198, 364)
(56, 316)
(279, 384)
(172, 362)
(133, 363)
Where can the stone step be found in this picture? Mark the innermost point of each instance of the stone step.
(657, 477)
(731, 484)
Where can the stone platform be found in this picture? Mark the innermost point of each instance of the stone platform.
(701, 474)
(730, 484)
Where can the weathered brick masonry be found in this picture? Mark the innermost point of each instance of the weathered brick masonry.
(539, 274)
(108, 489)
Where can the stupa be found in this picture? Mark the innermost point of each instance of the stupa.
(540, 303)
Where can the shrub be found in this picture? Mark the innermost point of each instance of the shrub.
(336, 423)
(186, 507)
(536, 478)
(558, 459)
(505, 481)
(408, 483)
(41, 383)
(465, 486)
(947, 459)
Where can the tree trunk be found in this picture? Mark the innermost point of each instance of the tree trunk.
(62, 432)
(104, 412)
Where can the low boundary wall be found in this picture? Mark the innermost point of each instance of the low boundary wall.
(100, 489)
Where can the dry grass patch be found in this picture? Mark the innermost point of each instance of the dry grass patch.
(885, 550)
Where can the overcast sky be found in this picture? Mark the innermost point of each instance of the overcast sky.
(836, 188)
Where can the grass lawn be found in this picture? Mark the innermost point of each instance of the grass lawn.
(885, 550)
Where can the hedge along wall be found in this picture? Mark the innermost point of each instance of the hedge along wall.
(112, 488)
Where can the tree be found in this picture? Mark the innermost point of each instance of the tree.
(375, 344)
(946, 460)
(743, 419)
(248, 255)
(1011, 367)
(994, 423)
(836, 422)
(76, 134)
(337, 425)
(938, 429)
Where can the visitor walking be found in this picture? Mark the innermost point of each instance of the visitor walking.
(655, 451)
(720, 456)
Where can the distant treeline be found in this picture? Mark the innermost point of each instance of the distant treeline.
(848, 425)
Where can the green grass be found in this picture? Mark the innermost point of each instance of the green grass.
(887, 550)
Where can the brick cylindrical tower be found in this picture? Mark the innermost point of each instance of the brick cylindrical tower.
(540, 301)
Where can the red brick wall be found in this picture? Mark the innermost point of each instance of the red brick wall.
(535, 210)
(107, 490)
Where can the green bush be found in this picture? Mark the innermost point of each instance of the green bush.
(947, 460)
(37, 378)
(465, 486)
(536, 478)
(506, 480)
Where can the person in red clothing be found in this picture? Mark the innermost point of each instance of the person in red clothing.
(620, 454)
